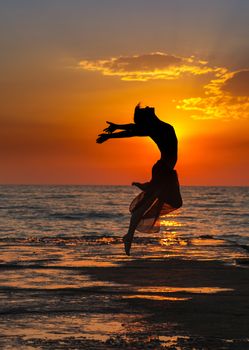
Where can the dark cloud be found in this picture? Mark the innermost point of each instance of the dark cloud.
(147, 62)
(157, 65)
(238, 85)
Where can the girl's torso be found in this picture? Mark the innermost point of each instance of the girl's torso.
(164, 136)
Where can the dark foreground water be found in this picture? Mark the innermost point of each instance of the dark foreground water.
(50, 235)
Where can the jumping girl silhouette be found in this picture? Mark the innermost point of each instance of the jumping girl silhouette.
(161, 194)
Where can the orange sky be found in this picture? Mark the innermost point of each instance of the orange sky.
(66, 69)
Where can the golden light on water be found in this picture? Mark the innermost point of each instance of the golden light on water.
(194, 290)
(170, 223)
(155, 297)
(171, 238)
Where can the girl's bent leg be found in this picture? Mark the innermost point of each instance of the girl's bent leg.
(135, 219)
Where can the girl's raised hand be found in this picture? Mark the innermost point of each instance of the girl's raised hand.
(112, 127)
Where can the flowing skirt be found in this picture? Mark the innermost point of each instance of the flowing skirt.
(160, 197)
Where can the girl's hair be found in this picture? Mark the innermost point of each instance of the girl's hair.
(144, 115)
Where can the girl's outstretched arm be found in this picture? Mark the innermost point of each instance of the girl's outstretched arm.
(112, 127)
(117, 135)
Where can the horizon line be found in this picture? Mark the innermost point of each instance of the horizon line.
(117, 185)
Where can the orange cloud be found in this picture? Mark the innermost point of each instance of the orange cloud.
(226, 97)
(156, 65)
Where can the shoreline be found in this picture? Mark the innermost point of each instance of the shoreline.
(153, 303)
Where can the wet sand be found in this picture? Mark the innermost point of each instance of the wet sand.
(136, 304)
(211, 299)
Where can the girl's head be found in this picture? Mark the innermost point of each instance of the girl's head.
(144, 116)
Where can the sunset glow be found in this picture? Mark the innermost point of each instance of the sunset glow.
(68, 67)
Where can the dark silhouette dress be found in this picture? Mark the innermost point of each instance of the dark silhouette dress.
(161, 195)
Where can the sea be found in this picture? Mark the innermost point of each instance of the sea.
(49, 233)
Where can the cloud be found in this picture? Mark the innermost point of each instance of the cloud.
(216, 108)
(226, 97)
(238, 84)
(146, 67)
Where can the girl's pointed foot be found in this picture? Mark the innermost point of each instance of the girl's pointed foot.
(127, 244)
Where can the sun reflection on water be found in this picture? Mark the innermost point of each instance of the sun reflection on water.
(191, 290)
(154, 297)
(171, 238)
(169, 223)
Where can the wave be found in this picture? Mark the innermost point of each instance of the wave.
(18, 266)
(94, 237)
(34, 212)
(63, 196)
(62, 240)
(85, 215)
